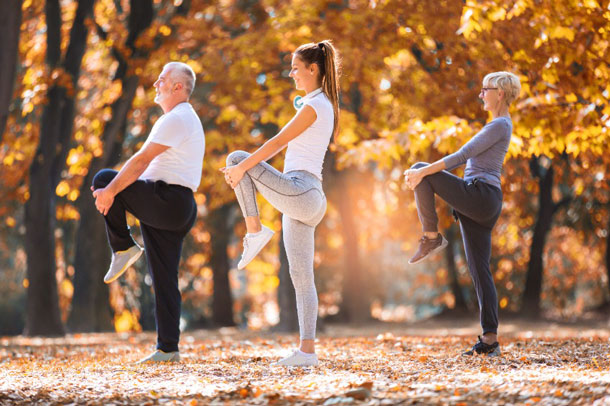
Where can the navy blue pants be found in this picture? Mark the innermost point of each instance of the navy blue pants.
(166, 214)
(478, 206)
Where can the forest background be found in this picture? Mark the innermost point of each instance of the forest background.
(76, 95)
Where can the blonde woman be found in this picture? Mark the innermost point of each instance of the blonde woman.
(297, 192)
(476, 199)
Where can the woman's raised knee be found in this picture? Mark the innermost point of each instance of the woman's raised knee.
(419, 165)
(236, 157)
(103, 178)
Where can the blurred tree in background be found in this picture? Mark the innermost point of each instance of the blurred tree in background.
(82, 99)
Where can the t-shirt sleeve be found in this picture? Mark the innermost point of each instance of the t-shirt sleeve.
(318, 105)
(169, 131)
(482, 141)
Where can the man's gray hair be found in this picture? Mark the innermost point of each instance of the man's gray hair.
(181, 72)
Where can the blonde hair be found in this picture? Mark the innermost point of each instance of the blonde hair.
(325, 55)
(182, 73)
(506, 81)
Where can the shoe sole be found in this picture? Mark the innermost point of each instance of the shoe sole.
(129, 263)
(277, 364)
(257, 252)
(174, 359)
(494, 353)
(434, 251)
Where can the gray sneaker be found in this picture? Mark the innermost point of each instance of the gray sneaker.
(121, 261)
(160, 356)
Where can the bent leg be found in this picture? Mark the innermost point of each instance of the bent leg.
(299, 196)
(479, 203)
(245, 191)
(157, 204)
(117, 229)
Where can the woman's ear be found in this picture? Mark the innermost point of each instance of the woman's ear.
(313, 69)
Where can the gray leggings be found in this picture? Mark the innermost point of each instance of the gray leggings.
(300, 198)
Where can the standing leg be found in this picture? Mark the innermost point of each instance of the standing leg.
(477, 245)
(163, 250)
(299, 243)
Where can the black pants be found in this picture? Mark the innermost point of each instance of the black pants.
(166, 214)
(478, 206)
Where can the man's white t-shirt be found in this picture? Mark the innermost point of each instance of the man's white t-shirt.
(306, 151)
(182, 163)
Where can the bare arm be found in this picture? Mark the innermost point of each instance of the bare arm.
(129, 173)
(299, 123)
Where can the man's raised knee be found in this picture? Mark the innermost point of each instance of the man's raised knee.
(419, 165)
(236, 157)
(103, 178)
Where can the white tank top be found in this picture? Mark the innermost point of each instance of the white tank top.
(306, 151)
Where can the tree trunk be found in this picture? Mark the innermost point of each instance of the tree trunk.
(42, 310)
(608, 256)
(286, 297)
(10, 23)
(90, 306)
(220, 223)
(355, 306)
(456, 289)
(533, 282)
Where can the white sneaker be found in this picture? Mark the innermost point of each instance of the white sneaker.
(298, 359)
(253, 244)
(160, 356)
(121, 261)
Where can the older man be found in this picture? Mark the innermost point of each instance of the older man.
(156, 185)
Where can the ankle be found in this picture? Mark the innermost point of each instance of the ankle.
(431, 235)
(307, 347)
(489, 338)
(253, 224)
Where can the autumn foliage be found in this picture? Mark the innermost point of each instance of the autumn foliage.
(541, 364)
(411, 76)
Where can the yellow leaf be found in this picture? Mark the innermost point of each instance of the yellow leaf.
(562, 32)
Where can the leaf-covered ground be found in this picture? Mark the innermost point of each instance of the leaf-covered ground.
(542, 363)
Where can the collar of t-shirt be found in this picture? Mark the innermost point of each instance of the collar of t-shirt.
(311, 94)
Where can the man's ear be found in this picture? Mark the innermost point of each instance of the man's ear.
(178, 86)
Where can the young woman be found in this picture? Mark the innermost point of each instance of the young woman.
(476, 199)
(297, 192)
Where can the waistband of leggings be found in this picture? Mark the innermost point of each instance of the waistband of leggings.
(485, 182)
(304, 173)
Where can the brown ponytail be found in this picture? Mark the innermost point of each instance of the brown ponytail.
(325, 56)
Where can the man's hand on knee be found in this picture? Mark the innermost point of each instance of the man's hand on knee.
(103, 200)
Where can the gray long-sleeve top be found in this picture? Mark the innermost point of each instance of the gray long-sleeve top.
(484, 153)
